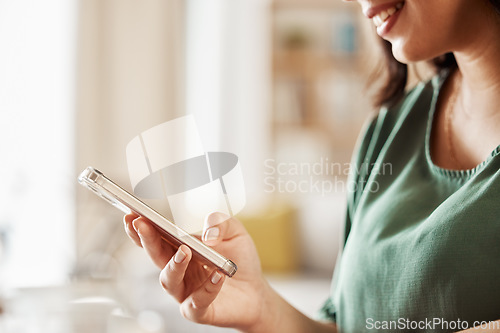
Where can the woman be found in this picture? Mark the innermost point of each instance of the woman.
(422, 251)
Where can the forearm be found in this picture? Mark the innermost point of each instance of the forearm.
(279, 316)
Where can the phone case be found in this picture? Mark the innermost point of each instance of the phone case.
(105, 188)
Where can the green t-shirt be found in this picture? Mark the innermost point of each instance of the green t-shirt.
(422, 243)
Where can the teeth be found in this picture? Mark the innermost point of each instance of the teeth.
(381, 17)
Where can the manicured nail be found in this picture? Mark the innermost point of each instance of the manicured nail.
(135, 227)
(212, 234)
(179, 256)
(215, 218)
(215, 278)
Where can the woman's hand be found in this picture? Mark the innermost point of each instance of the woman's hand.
(205, 295)
(245, 301)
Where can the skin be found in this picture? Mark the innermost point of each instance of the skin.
(425, 29)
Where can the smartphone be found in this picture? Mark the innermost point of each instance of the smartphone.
(108, 190)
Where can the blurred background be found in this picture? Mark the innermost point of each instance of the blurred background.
(280, 83)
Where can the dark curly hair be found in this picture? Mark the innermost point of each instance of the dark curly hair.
(394, 88)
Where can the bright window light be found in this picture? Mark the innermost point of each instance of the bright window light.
(204, 66)
(37, 39)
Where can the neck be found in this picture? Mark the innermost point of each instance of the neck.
(478, 64)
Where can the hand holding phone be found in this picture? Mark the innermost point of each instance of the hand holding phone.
(205, 296)
(175, 236)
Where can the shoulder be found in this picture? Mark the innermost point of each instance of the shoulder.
(379, 131)
(417, 100)
(415, 103)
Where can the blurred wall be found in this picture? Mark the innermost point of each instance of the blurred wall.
(130, 75)
(130, 78)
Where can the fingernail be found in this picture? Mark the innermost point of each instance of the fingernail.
(135, 227)
(179, 256)
(215, 218)
(212, 234)
(215, 278)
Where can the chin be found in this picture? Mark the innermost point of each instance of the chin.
(408, 55)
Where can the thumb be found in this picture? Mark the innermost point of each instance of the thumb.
(219, 227)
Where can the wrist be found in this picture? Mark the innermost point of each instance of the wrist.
(277, 315)
(270, 305)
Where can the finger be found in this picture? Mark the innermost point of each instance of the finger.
(157, 249)
(129, 229)
(130, 217)
(196, 307)
(219, 226)
(172, 276)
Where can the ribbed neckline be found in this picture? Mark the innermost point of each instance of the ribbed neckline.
(437, 83)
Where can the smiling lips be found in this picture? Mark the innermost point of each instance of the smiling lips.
(384, 15)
